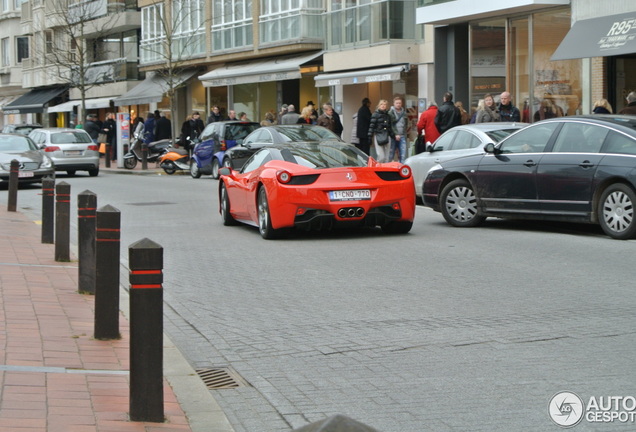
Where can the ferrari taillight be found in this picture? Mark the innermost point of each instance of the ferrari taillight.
(405, 171)
(283, 176)
(395, 206)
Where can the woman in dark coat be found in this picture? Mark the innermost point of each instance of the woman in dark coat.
(362, 126)
(379, 126)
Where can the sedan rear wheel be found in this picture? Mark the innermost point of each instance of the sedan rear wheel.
(225, 207)
(616, 212)
(194, 170)
(264, 218)
(459, 204)
(215, 168)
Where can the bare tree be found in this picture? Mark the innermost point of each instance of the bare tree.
(68, 44)
(173, 34)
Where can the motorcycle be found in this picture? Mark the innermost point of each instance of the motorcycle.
(155, 149)
(175, 159)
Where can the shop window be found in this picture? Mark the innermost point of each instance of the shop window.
(556, 83)
(488, 59)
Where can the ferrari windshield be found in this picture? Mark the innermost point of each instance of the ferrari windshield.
(306, 133)
(325, 155)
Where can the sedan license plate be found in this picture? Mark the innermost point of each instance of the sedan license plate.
(25, 174)
(72, 153)
(350, 195)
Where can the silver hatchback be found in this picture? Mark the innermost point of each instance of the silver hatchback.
(70, 149)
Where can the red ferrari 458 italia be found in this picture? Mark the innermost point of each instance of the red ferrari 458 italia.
(315, 186)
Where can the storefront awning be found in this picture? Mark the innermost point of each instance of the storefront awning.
(152, 89)
(33, 101)
(599, 37)
(365, 76)
(277, 69)
(90, 104)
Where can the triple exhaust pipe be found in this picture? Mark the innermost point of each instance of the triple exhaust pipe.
(351, 212)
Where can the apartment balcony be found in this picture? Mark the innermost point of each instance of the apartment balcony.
(372, 24)
(36, 72)
(185, 46)
(106, 16)
(291, 27)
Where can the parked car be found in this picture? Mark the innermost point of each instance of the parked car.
(70, 149)
(33, 163)
(579, 169)
(312, 185)
(280, 134)
(459, 141)
(216, 139)
(23, 128)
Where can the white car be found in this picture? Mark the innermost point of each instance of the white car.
(70, 149)
(459, 141)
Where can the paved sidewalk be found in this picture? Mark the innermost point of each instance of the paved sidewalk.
(54, 376)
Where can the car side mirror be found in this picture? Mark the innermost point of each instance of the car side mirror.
(226, 171)
(430, 147)
(490, 148)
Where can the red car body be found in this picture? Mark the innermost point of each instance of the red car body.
(357, 193)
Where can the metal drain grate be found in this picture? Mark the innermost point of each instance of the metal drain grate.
(220, 378)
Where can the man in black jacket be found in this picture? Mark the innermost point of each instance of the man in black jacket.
(507, 111)
(163, 127)
(362, 126)
(448, 115)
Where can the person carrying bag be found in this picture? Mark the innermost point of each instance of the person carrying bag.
(381, 131)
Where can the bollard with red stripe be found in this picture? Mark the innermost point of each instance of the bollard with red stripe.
(48, 210)
(107, 249)
(12, 202)
(145, 259)
(86, 225)
(63, 222)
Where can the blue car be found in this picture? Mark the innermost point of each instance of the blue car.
(216, 138)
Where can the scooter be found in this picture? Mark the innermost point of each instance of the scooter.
(155, 149)
(175, 159)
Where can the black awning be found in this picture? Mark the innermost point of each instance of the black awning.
(33, 101)
(599, 37)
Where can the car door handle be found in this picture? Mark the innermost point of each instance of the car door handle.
(530, 163)
(586, 164)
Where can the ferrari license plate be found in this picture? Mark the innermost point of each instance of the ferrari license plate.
(350, 195)
(23, 174)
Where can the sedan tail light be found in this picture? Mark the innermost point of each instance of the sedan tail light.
(93, 147)
(405, 171)
(50, 149)
(223, 145)
(283, 176)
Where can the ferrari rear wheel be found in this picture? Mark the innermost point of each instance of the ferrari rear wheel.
(264, 219)
(225, 207)
(398, 227)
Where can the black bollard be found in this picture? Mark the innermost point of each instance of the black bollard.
(107, 235)
(86, 215)
(14, 172)
(145, 259)
(62, 222)
(107, 156)
(144, 156)
(48, 209)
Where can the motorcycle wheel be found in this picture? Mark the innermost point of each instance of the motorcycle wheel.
(194, 170)
(130, 163)
(169, 167)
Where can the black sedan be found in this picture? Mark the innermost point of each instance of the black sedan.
(578, 169)
(281, 134)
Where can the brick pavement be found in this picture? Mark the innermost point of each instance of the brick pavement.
(54, 375)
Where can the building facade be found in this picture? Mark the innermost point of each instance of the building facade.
(490, 47)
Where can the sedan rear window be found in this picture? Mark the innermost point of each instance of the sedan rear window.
(70, 138)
